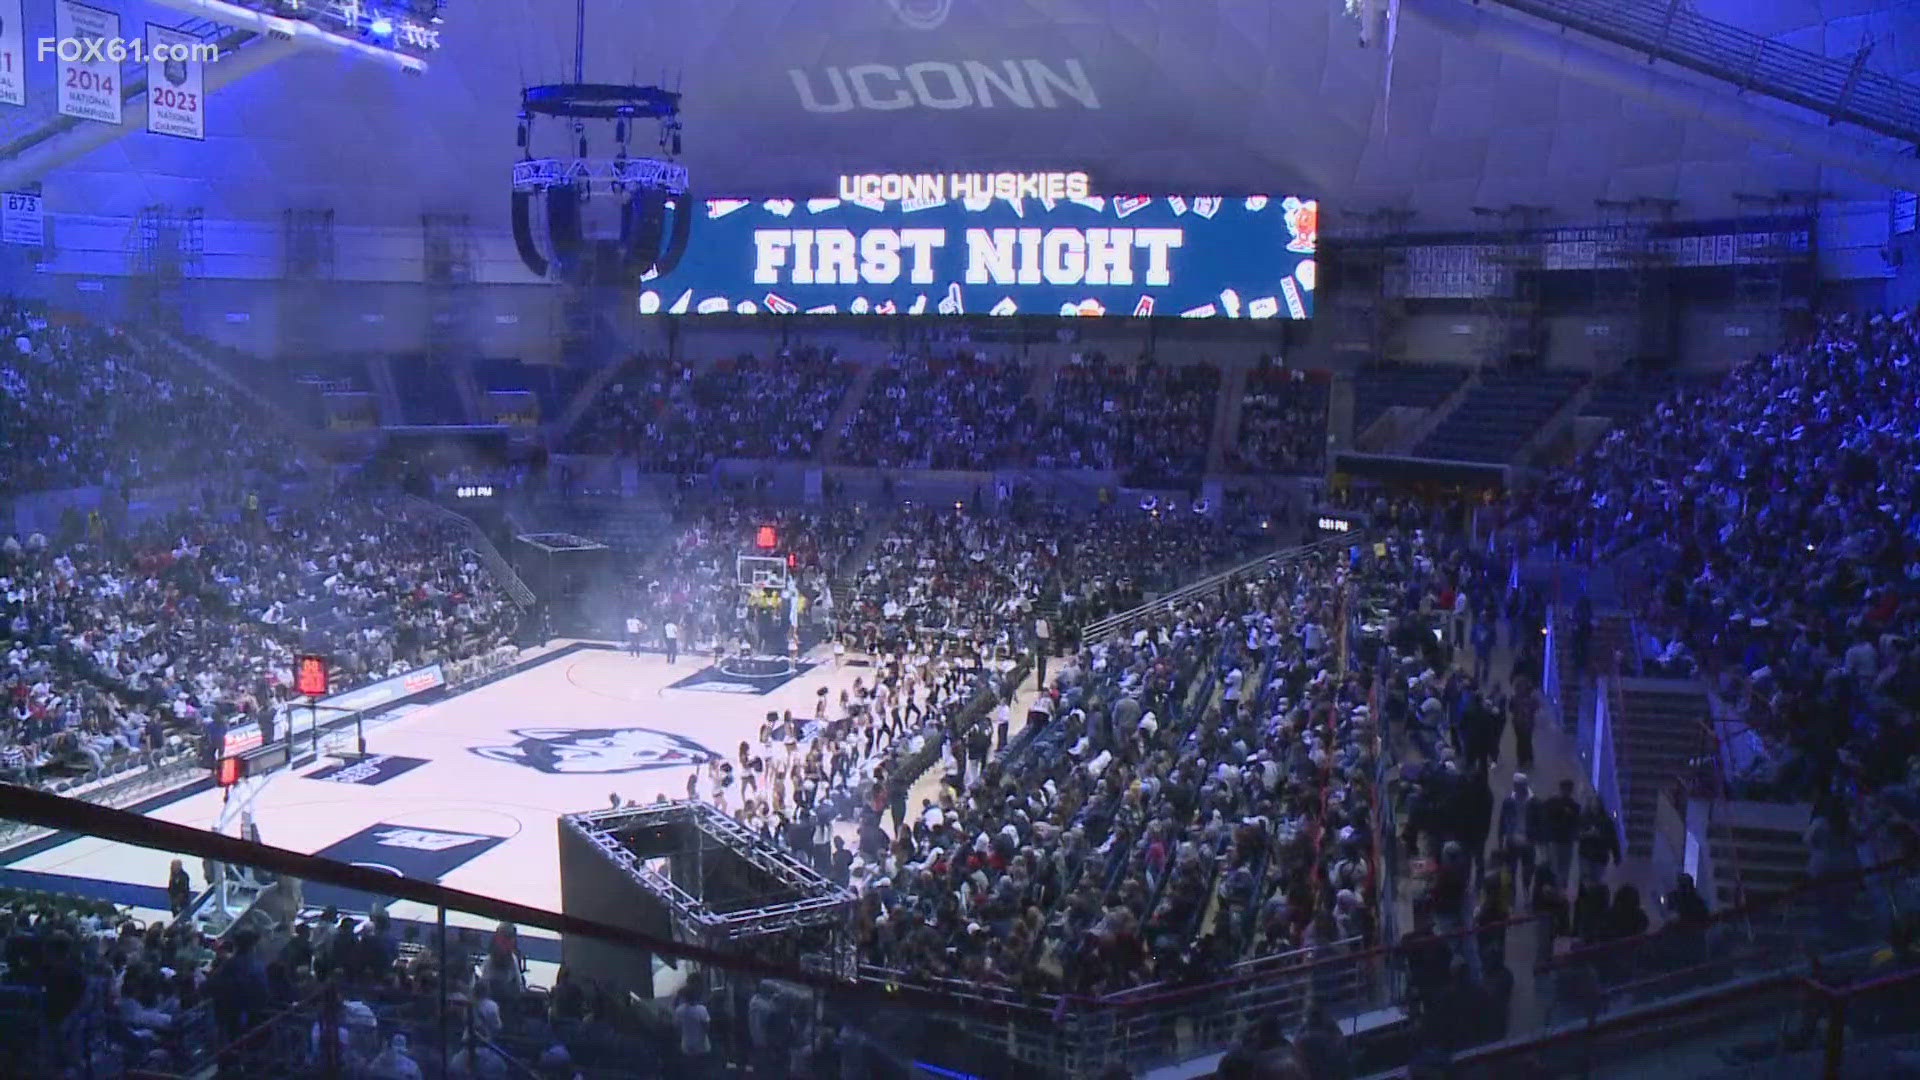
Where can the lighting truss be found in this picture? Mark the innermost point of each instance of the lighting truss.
(600, 174)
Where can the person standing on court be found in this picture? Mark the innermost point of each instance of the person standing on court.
(633, 635)
(672, 634)
(1042, 646)
(179, 888)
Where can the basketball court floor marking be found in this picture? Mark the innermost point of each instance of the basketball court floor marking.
(502, 763)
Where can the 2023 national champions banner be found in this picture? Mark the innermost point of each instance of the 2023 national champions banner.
(996, 249)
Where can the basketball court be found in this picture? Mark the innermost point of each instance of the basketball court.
(466, 791)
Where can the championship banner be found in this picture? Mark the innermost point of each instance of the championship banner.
(89, 82)
(176, 99)
(13, 55)
(22, 220)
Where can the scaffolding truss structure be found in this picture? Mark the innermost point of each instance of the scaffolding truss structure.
(1371, 299)
(1768, 253)
(448, 271)
(699, 833)
(307, 272)
(1510, 312)
(1631, 290)
(166, 247)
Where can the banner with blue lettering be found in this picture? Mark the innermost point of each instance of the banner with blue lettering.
(987, 254)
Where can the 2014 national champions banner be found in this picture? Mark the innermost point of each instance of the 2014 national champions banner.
(995, 244)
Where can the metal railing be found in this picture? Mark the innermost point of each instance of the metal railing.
(1161, 1023)
(1166, 601)
(490, 556)
(121, 785)
(1675, 970)
(1841, 89)
(1848, 1017)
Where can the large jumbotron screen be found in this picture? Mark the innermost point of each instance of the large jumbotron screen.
(994, 254)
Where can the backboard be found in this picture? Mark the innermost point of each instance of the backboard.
(761, 571)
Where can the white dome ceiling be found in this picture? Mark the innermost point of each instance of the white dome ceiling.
(1234, 96)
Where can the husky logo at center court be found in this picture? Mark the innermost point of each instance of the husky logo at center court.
(569, 751)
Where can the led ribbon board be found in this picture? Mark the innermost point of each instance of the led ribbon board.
(981, 252)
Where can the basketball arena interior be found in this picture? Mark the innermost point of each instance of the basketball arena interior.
(963, 539)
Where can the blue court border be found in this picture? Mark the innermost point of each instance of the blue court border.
(154, 897)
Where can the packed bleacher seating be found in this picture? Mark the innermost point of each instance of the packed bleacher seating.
(1152, 422)
(1776, 512)
(1167, 424)
(81, 405)
(1079, 429)
(1283, 423)
(126, 644)
(964, 411)
(1192, 791)
(1203, 795)
(89, 988)
(674, 420)
(969, 576)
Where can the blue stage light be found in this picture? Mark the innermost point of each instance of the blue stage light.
(382, 26)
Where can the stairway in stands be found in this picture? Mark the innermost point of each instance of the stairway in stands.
(1612, 637)
(1659, 730)
(1226, 416)
(846, 575)
(1757, 850)
(848, 407)
(386, 391)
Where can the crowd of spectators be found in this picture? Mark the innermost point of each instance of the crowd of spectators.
(691, 577)
(90, 990)
(1151, 422)
(1777, 515)
(960, 411)
(81, 405)
(1191, 791)
(672, 419)
(1283, 423)
(117, 644)
(981, 577)
(1198, 792)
